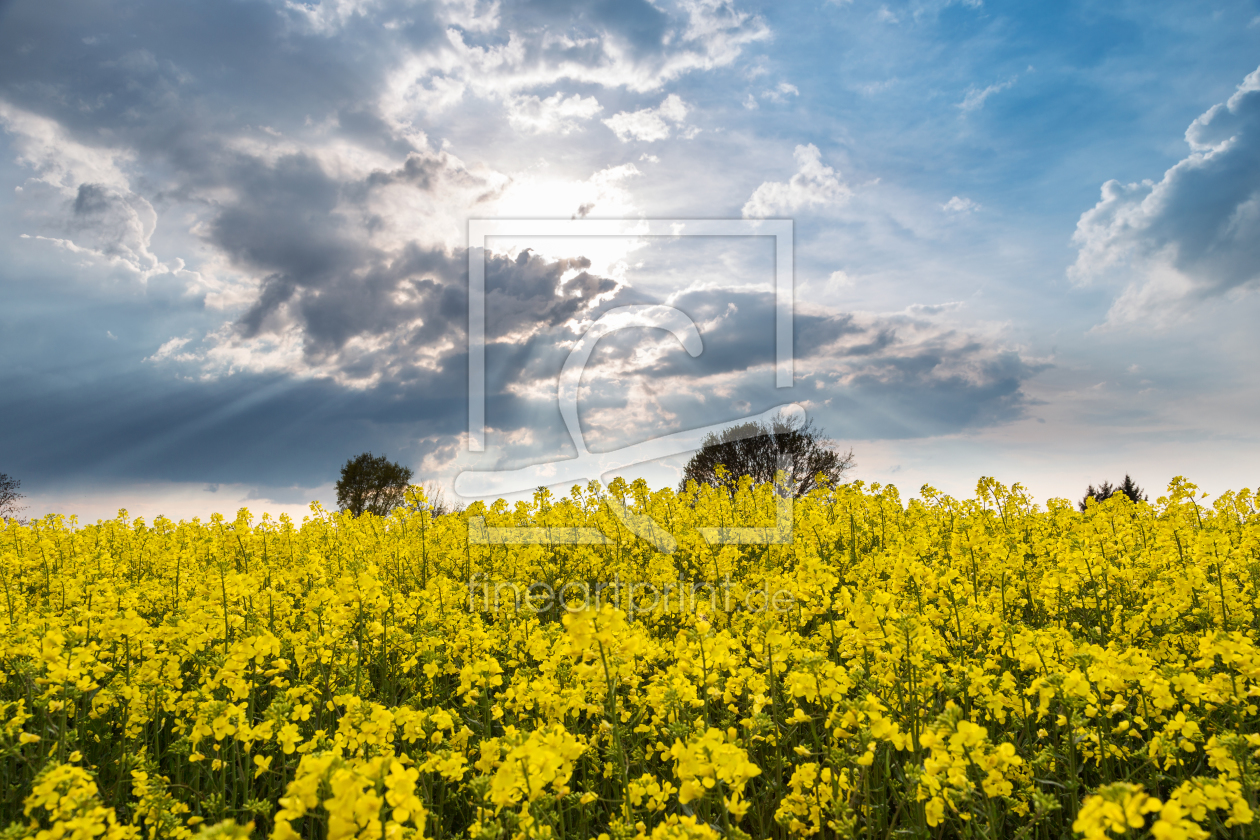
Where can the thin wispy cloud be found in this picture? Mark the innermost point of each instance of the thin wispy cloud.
(976, 97)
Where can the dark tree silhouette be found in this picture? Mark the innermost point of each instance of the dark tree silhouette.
(372, 484)
(1106, 490)
(9, 497)
(759, 450)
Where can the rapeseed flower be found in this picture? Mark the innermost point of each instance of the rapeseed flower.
(960, 667)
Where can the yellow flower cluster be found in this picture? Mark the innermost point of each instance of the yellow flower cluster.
(938, 668)
(714, 759)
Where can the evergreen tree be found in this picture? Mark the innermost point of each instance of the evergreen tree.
(1106, 490)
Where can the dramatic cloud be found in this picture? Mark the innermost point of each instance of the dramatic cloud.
(1194, 234)
(861, 374)
(270, 202)
(629, 44)
(813, 185)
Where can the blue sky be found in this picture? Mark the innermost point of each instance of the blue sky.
(233, 254)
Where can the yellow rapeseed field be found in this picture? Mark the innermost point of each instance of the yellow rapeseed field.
(942, 668)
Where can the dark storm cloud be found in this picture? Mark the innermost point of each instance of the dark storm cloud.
(295, 224)
(155, 74)
(526, 292)
(918, 396)
(866, 375)
(284, 223)
(740, 335)
(245, 429)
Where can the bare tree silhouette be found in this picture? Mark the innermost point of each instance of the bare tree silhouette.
(9, 497)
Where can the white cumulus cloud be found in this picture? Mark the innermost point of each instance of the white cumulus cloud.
(813, 184)
(81, 196)
(958, 204)
(1193, 234)
(650, 124)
